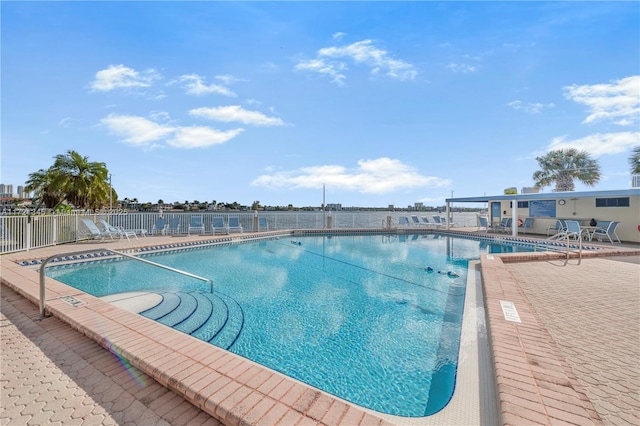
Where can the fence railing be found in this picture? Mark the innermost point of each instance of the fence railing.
(26, 232)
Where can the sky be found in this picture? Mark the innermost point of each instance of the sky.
(378, 103)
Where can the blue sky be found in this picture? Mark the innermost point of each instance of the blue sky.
(381, 102)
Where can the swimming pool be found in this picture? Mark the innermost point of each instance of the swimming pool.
(357, 316)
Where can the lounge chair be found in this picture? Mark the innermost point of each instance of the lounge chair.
(218, 226)
(609, 231)
(403, 221)
(174, 226)
(94, 232)
(415, 221)
(263, 225)
(528, 223)
(160, 226)
(195, 224)
(118, 230)
(234, 224)
(425, 222)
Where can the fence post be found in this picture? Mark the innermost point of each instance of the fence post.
(28, 233)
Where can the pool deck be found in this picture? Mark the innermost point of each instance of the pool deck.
(573, 358)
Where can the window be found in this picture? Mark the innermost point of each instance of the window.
(521, 204)
(612, 202)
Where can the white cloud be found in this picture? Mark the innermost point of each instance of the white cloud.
(618, 102)
(377, 176)
(235, 113)
(530, 108)
(329, 61)
(333, 70)
(121, 77)
(195, 85)
(338, 35)
(599, 144)
(463, 68)
(135, 130)
(200, 137)
(229, 79)
(143, 132)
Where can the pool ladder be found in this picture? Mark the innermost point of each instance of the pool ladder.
(118, 253)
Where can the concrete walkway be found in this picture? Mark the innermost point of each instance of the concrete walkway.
(592, 312)
(53, 375)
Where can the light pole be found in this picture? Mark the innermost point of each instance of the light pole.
(110, 192)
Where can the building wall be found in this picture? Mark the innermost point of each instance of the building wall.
(585, 209)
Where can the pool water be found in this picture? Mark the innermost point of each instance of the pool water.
(367, 318)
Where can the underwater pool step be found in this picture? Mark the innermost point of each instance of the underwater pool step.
(199, 316)
(232, 328)
(184, 310)
(170, 302)
(216, 320)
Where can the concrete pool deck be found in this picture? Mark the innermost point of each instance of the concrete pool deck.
(542, 376)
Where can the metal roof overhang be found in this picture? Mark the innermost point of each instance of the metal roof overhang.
(548, 196)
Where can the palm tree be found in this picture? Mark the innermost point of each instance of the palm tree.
(42, 183)
(634, 161)
(563, 166)
(73, 178)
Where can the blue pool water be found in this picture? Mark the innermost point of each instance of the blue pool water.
(356, 316)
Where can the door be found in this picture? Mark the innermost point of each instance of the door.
(496, 211)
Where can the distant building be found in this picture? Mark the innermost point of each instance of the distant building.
(635, 181)
(418, 206)
(334, 206)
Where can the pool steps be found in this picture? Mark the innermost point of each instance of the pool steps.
(214, 318)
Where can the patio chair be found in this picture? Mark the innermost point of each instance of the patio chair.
(528, 223)
(94, 231)
(218, 226)
(234, 224)
(403, 221)
(559, 227)
(609, 232)
(263, 225)
(483, 222)
(118, 230)
(504, 225)
(174, 226)
(195, 224)
(160, 226)
(573, 230)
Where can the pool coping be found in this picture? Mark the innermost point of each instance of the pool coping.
(236, 390)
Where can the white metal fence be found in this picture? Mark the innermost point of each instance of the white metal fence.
(25, 232)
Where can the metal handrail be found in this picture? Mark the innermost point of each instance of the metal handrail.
(44, 263)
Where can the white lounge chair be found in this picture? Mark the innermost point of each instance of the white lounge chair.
(415, 221)
(234, 224)
(263, 225)
(94, 232)
(559, 227)
(195, 225)
(403, 221)
(118, 230)
(218, 226)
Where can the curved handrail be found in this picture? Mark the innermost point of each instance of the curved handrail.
(44, 263)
